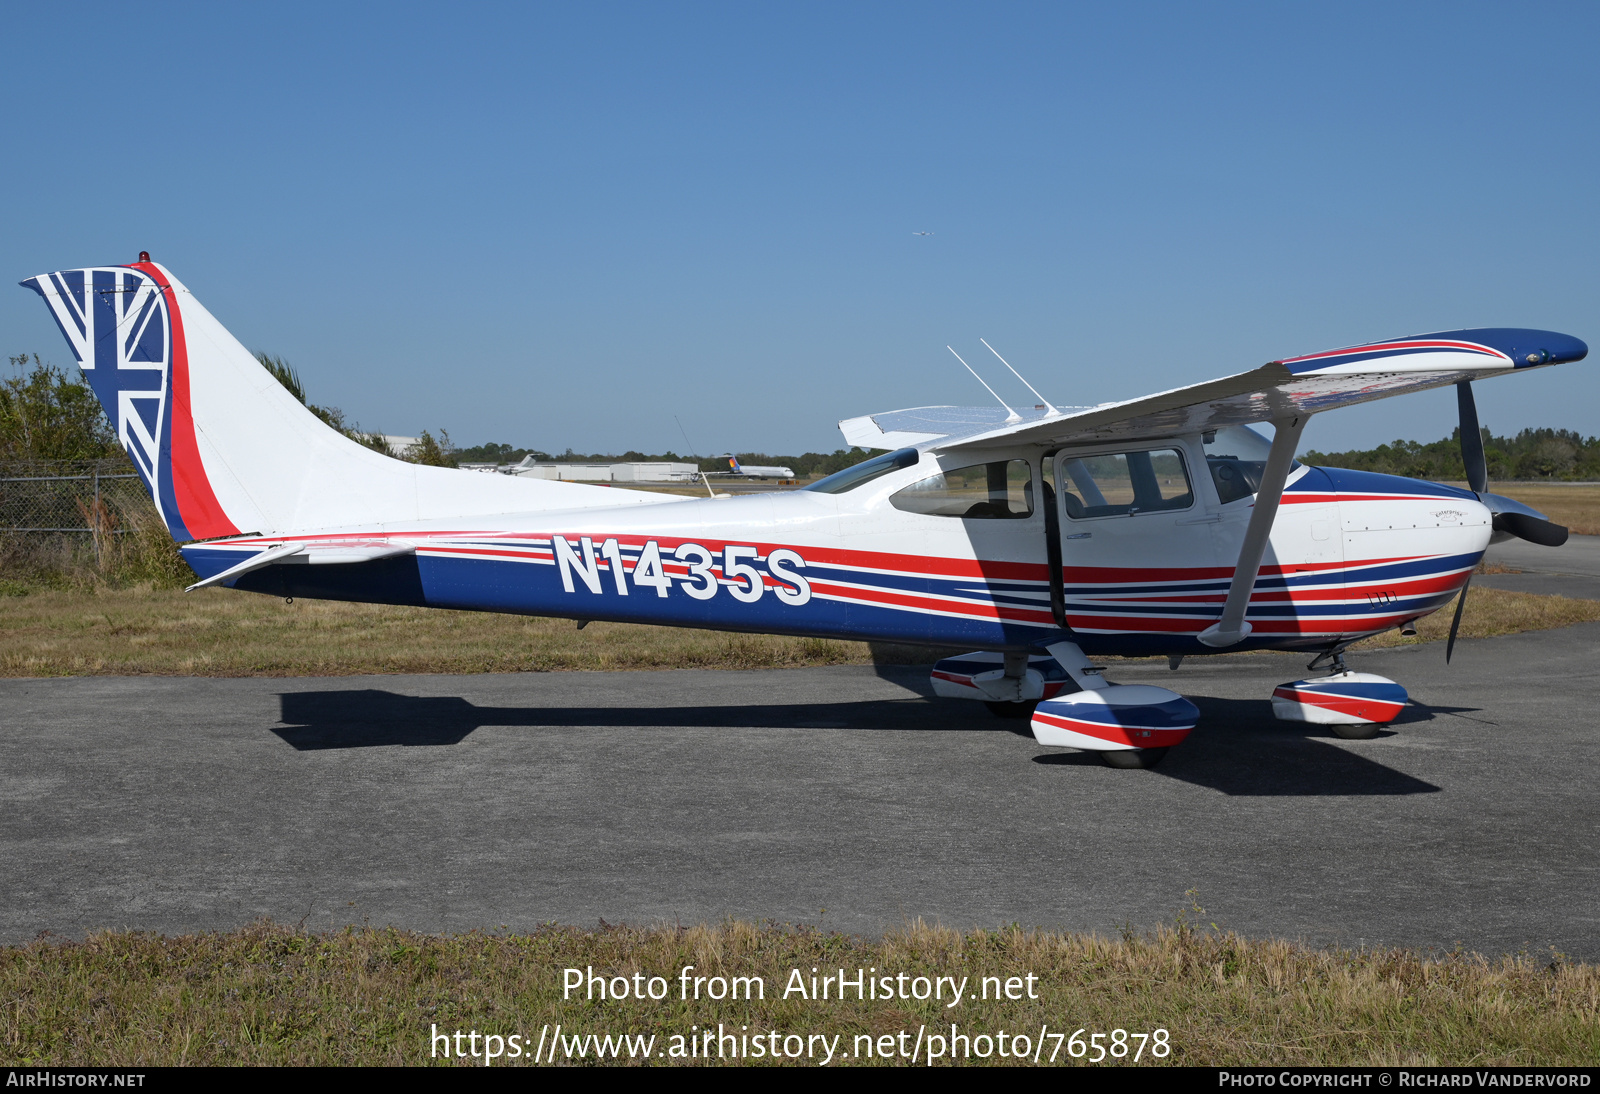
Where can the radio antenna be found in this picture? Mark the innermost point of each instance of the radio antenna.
(1011, 415)
(695, 454)
(1048, 404)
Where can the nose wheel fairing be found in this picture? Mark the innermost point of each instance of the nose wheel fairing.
(1345, 698)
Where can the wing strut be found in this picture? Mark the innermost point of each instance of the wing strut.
(1232, 628)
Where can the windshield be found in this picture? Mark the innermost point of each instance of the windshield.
(1236, 455)
(865, 472)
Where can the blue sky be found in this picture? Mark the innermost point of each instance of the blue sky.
(560, 226)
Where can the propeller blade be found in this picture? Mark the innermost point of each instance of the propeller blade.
(1455, 624)
(1546, 533)
(1472, 439)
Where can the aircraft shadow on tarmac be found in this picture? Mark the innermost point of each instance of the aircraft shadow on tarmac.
(1239, 749)
(367, 719)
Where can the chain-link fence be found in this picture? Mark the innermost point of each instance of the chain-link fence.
(96, 499)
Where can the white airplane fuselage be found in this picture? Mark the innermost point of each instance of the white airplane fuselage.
(1350, 553)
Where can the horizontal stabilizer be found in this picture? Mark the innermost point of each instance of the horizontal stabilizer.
(265, 558)
(309, 554)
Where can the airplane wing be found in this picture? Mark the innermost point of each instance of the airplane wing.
(1309, 384)
(922, 424)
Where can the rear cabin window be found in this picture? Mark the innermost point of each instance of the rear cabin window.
(1124, 483)
(1002, 490)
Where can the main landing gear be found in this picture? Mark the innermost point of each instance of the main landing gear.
(1069, 704)
(1128, 725)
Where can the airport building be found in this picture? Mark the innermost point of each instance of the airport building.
(607, 472)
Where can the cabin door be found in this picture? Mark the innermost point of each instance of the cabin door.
(1137, 550)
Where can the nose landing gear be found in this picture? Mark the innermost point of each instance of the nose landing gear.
(1353, 704)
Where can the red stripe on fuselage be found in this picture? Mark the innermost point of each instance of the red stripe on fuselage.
(890, 598)
(1351, 590)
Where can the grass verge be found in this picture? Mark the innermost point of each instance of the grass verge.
(219, 632)
(1490, 613)
(273, 995)
(1576, 507)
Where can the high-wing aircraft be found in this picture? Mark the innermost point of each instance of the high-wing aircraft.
(1159, 526)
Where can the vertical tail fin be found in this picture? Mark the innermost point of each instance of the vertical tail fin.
(224, 449)
(127, 332)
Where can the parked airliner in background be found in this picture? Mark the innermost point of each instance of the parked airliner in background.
(749, 471)
(1159, 526)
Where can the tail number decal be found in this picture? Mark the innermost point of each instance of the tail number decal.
(744, 580)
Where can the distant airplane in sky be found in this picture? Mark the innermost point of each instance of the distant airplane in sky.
(922, 233)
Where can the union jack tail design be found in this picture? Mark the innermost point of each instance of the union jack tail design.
(127, 334)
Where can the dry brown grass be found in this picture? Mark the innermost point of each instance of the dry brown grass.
(273, 995)
(1493, 612)
(219, 632)
(1577, 507)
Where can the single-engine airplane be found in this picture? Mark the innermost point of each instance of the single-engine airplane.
(1159, 526)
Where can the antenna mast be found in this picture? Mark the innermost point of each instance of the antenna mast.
(1048, 404)
(1011, 415)
(696, 455)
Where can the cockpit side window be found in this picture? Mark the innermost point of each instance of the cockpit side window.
(1236, 456)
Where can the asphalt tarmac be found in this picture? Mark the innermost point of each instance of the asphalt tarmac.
(833, 796)
(1573, 569)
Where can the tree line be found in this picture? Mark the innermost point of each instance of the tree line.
(47, 414)
(804, 466)
(1560, 455)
